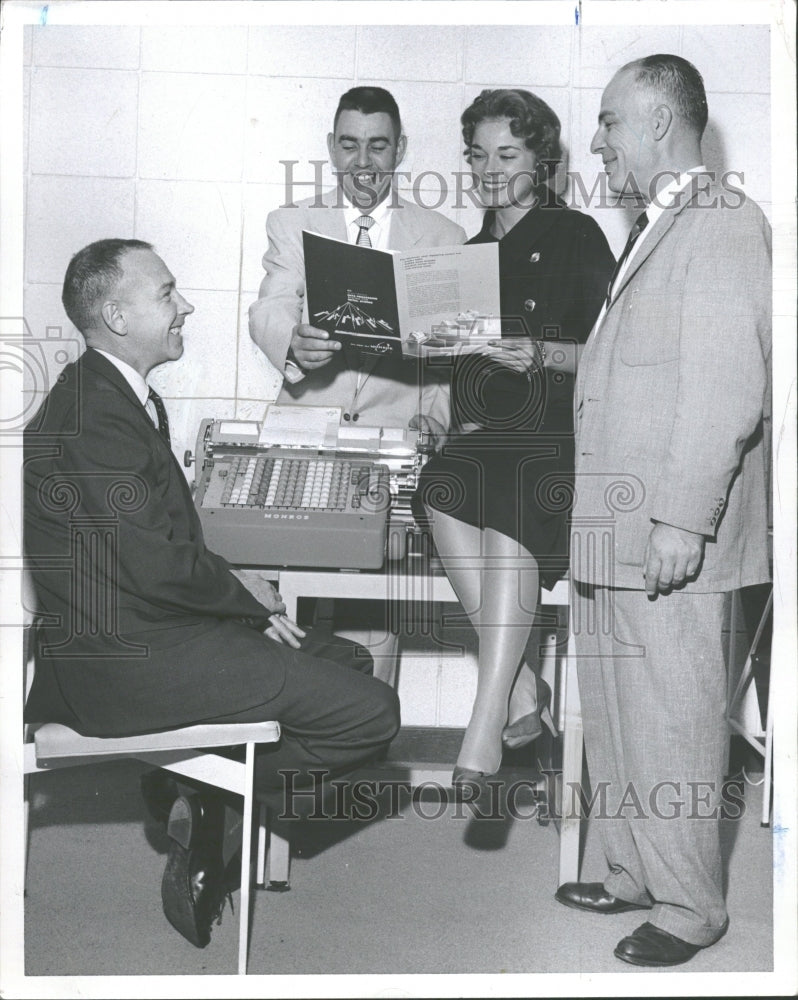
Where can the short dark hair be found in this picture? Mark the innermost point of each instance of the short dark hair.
(91, 274)
(370, 101)
(679, 82)
(531, 119)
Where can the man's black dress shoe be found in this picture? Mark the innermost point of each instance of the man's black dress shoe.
(594, 897)
(193, 889)
(650, 946)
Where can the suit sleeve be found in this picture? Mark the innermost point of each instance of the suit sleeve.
(278, 308)
(724, 356)
(162, 556)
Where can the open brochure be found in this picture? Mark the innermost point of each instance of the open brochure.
(410, 303)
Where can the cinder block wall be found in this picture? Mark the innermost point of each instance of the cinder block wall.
(176, 135)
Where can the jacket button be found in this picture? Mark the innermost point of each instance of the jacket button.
(355, 417)
(529, 305)
(347, 417)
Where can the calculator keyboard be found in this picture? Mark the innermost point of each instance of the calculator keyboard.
(299, 484)
(268, 482)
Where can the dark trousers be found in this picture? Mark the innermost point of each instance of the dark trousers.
(333, 714)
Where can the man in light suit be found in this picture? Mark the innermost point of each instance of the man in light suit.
(671, 487)
(366, 146)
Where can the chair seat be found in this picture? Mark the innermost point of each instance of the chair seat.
(55, 741)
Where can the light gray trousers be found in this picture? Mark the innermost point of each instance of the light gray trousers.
(652, 683)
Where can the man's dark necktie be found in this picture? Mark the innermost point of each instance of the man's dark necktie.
(163, 420)
(640, 224)
(364, 222)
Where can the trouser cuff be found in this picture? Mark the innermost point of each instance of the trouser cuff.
(666, 918)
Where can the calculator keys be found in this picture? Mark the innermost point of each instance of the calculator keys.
(300, 484)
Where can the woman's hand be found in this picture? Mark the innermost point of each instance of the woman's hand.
(284, 630)
(429, 425)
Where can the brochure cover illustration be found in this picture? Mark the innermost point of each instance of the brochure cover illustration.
(410, 303)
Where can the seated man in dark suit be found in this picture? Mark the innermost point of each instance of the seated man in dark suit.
(145, 628)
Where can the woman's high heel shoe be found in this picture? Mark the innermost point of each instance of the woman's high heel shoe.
(472, 786)
(529, 727)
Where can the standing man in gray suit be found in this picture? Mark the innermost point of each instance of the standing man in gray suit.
(366, 146)
(671, 486)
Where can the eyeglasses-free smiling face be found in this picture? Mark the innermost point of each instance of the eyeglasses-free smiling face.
(623, 138)
(152, 308)
(365, 151)
(502, 165)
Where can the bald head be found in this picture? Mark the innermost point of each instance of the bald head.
(671, 80)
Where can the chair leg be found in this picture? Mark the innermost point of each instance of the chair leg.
(26, 832)
(387, 660)
(246, 860)
(279, 857)
(573, 749)
(731, 671)
(767, 778)
(548, 667)
(263, 832)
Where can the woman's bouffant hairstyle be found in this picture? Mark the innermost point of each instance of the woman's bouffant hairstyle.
(531, 119)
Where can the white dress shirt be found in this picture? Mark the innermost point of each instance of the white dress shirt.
(135, 381)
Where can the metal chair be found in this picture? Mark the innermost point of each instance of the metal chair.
(743, 714)
(182, 751)
(185, 752)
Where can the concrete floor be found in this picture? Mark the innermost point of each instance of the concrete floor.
(422, 891)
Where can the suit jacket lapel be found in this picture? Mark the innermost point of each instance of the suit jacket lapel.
(651, 239)
(330, 220)
(102, 366)
(404, 234)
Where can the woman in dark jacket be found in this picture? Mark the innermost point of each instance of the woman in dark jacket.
(498, 494)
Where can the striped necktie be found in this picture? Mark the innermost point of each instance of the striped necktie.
(640, 224)
(364, 222)
(163, 420)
